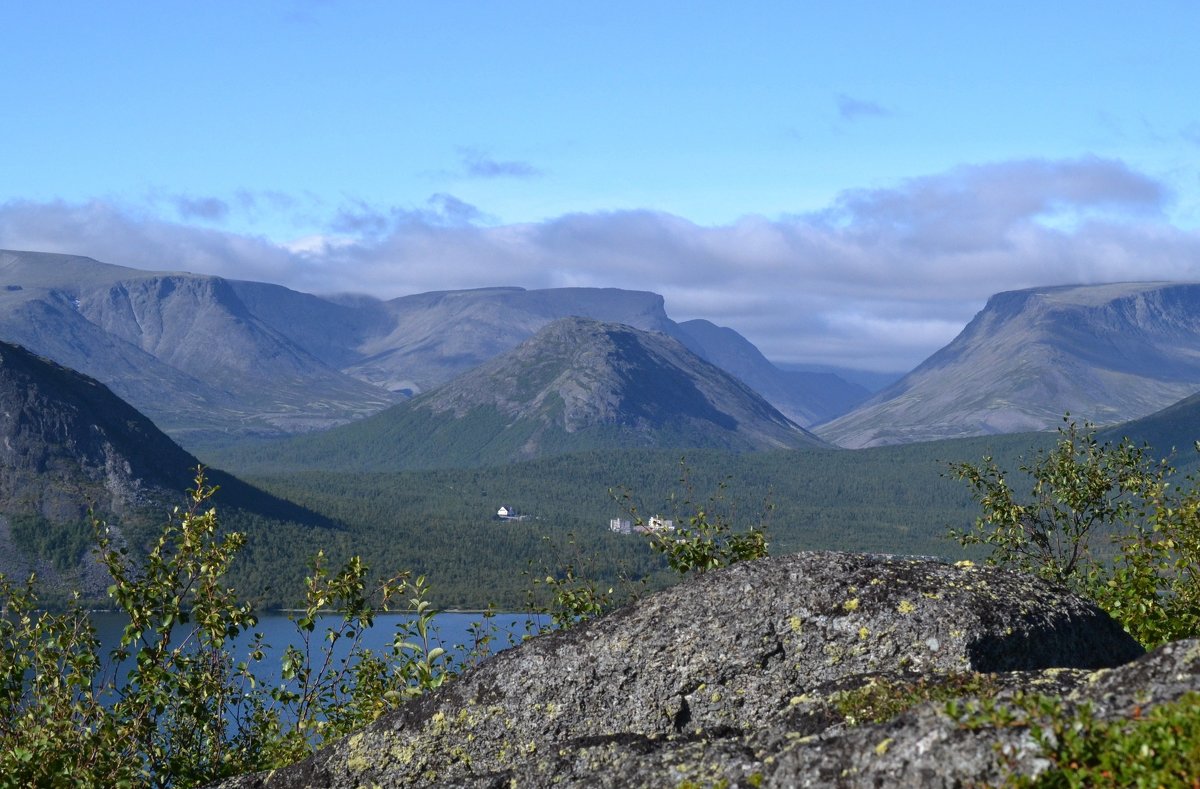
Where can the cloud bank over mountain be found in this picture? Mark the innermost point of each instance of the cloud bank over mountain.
(880, 279)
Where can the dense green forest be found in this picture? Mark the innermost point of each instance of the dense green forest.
(442, 523)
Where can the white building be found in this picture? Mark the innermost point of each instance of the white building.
(621, 525)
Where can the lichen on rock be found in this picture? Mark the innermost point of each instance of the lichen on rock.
(730, 678)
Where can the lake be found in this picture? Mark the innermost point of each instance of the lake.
(452, 631)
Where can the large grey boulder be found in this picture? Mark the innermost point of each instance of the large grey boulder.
(726, 678)
(928, 747)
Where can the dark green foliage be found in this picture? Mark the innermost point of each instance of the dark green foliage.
(411, 438)
(441, 523)
(705, 535)
(63, 544)
(1168, 433)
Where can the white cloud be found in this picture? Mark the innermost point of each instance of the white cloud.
(881, 279)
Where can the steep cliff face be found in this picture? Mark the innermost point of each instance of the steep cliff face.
(1106, 353)
(67, 445)
(734, 678)
(59, 425)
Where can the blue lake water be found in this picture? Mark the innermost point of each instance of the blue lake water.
(452, 632)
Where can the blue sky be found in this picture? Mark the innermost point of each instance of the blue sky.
(843, 183)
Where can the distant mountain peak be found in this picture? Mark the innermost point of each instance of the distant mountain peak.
(214, 360)
(583, 373)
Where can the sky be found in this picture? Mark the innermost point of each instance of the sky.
(842, 183)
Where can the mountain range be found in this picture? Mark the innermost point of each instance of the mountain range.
(211, 359)
(1105, 353)
(576, 385)
(67, 442)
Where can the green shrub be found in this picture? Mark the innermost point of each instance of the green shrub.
(568, 588)
(704, 537)
(1104, 520)
(1160, 747)
(184, 712)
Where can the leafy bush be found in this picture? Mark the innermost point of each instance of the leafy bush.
(1145, 569)
(1160, 747)
(170, 706)
(568, 587)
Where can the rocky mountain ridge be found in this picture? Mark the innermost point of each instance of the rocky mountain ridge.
(1105, 353)
(70, 449)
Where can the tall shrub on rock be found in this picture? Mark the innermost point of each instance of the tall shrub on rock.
(1103, 519)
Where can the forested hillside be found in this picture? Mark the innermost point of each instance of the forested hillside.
(442, 523)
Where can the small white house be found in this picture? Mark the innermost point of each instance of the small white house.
(621, 525)
(504, 512)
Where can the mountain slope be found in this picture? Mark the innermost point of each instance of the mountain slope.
(806, 398)
(437, 336)
(1171, 432)
(1106, 353)
(575, 385)
(70, 447)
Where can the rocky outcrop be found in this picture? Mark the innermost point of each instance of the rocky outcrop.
(733, 678)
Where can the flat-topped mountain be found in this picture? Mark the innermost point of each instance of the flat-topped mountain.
(577, 384)
(1105, 353)
(183, 348)
(210, 359)
(434, 337)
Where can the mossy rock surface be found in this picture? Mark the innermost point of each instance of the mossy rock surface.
(729, 678)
